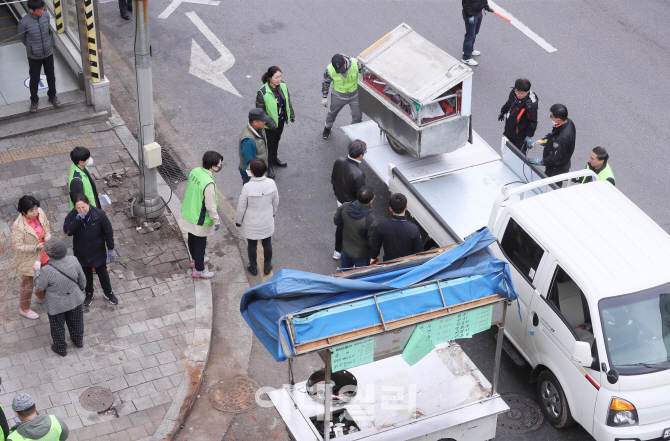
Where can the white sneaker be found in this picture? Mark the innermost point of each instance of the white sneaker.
(337, 255)
(475, 53)
(470, 62)
(204, 274)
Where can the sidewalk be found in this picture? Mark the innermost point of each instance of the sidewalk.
(141, 349)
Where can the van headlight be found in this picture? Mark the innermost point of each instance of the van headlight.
(621, 413)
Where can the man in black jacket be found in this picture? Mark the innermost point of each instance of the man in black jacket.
(347, 179)
(472, 15)
(358, 225)
(559, 145)
(398, 236)
(520, 115)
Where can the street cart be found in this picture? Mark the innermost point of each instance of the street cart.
(386, 334)
(419, 95)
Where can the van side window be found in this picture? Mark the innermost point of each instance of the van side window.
(569, 300)
(521, 250)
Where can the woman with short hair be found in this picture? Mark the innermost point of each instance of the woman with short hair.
(256, 210)
(29, 232)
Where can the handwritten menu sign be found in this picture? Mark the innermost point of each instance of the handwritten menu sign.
(462, 325)
(349, 355)
(417, 347)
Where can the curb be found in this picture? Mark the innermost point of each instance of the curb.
(202, 336)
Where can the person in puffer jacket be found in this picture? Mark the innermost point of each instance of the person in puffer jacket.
(35, 34)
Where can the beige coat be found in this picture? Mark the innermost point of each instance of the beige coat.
(210, 205)
(25, 242)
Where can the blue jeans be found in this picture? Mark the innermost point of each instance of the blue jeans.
(471, 31)
(348, 262)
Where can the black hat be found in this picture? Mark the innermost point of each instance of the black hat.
(258, 115)
(338, 63)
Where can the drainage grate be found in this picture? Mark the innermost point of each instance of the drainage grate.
(236, 395)
(96, 399)
(170, 170)
(524, 415)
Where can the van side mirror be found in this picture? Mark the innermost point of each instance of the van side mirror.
(581, 354)
(612, 376)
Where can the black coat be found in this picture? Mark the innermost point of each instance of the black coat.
(347, 178)
(88, 242)
(472, 7)
(559, 148)
(522, 119)
(399, 237)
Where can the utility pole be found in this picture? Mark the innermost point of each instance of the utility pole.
(148, 203)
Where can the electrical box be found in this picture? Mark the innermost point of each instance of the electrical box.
(152, 155)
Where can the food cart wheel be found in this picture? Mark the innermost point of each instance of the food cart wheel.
(395, 145)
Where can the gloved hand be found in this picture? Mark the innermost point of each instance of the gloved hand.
(529, 142)
(471, 19)
(536, 161)
(216, 227)
(80, 216)
(111, 255)
(292, 120)
(324, 101)
(501, 117)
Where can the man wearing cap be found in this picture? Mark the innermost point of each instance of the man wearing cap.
(342, 72)
(253, 143)
(33, 426)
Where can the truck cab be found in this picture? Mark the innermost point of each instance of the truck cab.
(593, 276)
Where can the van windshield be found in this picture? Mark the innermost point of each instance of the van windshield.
(637, 330)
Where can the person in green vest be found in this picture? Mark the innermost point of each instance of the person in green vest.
(253, 143)
(4, 433)
(80, 180)
(199, 211)
(274, 99)
(598, 163)
(33, 426)
(342, 72)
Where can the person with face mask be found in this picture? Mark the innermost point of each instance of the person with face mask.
(520, 115)
(199, 211)
(80, 180)
(559, 145)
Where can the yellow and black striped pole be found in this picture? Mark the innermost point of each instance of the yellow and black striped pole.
(92, 41)
(58, 10)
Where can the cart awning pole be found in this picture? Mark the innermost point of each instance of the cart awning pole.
(499, 345)
(328, 398)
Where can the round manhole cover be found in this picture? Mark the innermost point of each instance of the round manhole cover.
(236, 395)
(96, 399)
(524, 415)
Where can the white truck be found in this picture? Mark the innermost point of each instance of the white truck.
(592, 271)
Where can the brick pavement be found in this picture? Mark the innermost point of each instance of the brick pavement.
(138, 349)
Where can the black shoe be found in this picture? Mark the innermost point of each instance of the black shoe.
(278, 162)
(267, 269)
(88, 299)
(253, 270)
(33, 106)
(80, 345)
(112, 298)
(326, 133)
(130, 7)
(125, 16)
(62, 354)
(55, 101)
(270, 172)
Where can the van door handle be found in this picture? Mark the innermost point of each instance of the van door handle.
(536, 319)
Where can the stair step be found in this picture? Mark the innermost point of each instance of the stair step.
(21, 111)
(59, 118)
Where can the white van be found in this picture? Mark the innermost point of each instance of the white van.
(593, 276)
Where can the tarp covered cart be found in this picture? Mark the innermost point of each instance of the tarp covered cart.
(386, 335)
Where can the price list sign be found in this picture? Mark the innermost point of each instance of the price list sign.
(349, 355)
(462, 325)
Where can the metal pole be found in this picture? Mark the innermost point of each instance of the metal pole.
(327, 394)
(499, 345)
(147, 203)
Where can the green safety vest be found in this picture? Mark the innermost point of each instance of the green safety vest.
(77, 173)
(193, 208)
(604, 173)
(271, 102)
(53, 434)
(342, 84)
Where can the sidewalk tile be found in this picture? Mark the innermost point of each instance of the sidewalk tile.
(117, 384)
(146, 389)
(149, 361)
(31, 380)
(152, 374)
(80, 380)
(60, 399)
(122, 423)
(63, 385)
(134, 378)
(126, 408)
(143, 403)
(132, 366)
(165, 357)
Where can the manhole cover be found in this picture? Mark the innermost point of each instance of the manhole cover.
(96, 399)
(524, 415)
(236, 395)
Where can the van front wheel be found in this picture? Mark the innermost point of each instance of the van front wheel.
(552, 399)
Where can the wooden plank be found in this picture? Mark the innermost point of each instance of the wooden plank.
(375, 45)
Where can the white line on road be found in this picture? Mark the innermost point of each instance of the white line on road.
(175, 4)
(523, 28)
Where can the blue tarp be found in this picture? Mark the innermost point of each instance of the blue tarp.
(291, 291)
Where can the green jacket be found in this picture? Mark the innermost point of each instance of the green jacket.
(39, 427)
(358, 227)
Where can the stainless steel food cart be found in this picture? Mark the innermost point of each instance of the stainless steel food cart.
(419, 95)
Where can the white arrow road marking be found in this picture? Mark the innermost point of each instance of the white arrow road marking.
(175, 4)
(204, 67)
(523, 28)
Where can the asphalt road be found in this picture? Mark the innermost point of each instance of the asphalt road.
(610, 70)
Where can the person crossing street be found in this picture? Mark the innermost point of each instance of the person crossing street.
(472, 16)
(342, 72)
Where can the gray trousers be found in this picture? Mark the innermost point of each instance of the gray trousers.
(338, 101)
